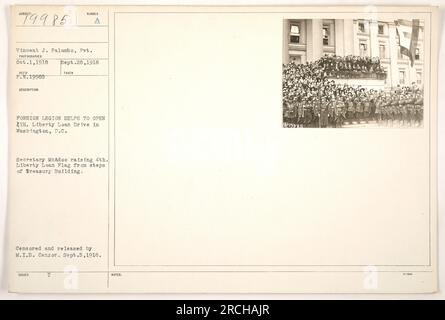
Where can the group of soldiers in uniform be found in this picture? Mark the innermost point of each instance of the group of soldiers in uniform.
(311, 99)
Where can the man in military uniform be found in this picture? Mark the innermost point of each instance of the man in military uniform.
(294, 113)
(316, 113)
(350, 110)
(366, 108)
(308, 115)
(407, 109)
(332, 106)
(285, 113)
(372, 101)
(339, 113)
(394, 112)
(358, 108)
(324, 113)
(300, 113)
(355, 107)
(411, 109)
(403, 111)
(289, 114)
(378, 109)
(384, 110)
(418, 107)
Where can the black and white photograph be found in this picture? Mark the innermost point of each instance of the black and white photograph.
(353, 73)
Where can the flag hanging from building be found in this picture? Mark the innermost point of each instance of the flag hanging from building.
(408, 32)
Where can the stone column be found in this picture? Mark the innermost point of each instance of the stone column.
(314, 33)
(373, 38)
(393, 54)
(339, 37)
(356, 49)
(286, 31)
(348, 35)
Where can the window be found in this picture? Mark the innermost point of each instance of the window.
(382, 51)
(417, 54)
(294, 39)
(402, 77)
(381, 29)
(363, 49)
(325, 36)
(419, 77)
(295, 28)
(295, 34)
(400, 53)
(361, 27)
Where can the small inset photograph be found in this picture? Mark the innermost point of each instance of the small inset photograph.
(353, 73)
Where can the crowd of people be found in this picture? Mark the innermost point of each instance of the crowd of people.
(311, 98)
(352, 66)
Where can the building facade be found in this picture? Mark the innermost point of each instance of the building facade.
(309, 39)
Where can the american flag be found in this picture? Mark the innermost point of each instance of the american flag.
(408, 32)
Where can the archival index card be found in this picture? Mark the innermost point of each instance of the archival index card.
(222, 149)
